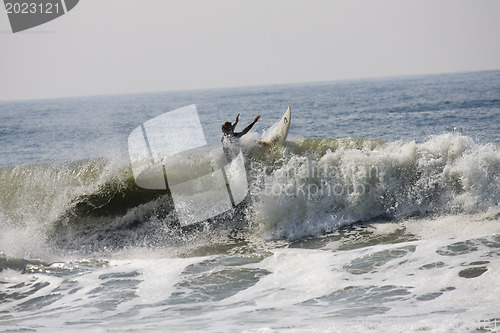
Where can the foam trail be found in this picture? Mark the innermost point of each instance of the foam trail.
(320, 190)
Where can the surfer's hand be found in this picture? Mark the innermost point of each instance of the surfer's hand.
(237, 117)
(256, 118)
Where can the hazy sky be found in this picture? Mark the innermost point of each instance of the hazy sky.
(125, 46)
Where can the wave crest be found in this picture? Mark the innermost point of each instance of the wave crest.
(309, 187)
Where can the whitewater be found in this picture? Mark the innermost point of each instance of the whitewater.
(380, 213)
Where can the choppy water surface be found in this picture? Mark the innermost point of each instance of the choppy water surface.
(380, 213)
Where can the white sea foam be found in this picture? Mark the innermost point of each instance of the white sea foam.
(448, 174)
(351, 235)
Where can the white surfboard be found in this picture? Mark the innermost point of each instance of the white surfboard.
(280, 132)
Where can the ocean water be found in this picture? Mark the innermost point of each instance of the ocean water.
(380, 213)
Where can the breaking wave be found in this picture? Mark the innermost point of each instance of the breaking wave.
(309, 187)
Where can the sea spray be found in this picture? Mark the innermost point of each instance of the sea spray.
(307, 188)
(311, 193)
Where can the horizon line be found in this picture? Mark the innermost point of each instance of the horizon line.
(246, 86)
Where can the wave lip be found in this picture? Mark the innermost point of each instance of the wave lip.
(307, 188)
(331, 183)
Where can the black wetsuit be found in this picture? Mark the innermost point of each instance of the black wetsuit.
(231, 136)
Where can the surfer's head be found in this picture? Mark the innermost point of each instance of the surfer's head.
(227, 127)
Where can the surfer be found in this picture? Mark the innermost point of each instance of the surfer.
(228, 128)
(229, 142)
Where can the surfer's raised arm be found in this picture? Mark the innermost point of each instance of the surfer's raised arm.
(249, 127)
(236, 121)
(228, 128)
